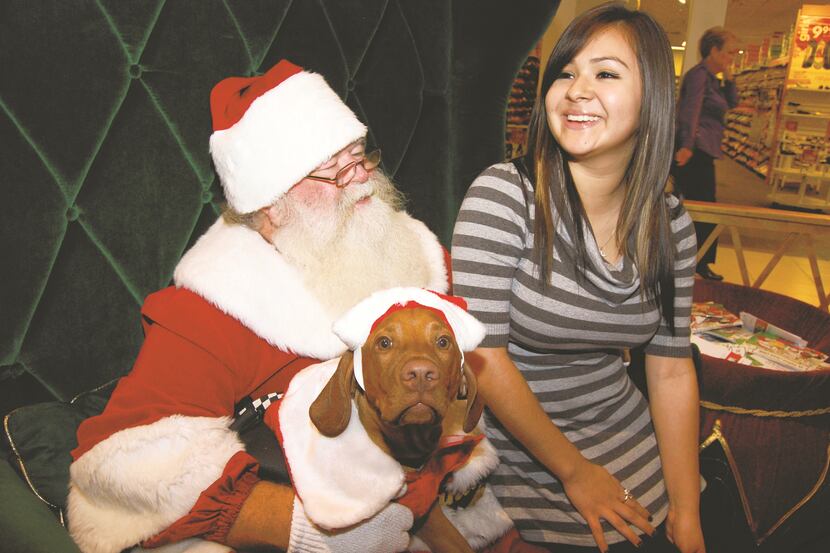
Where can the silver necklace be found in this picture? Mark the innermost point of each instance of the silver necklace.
(602, 248)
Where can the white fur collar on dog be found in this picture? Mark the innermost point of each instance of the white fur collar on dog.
(344, 480)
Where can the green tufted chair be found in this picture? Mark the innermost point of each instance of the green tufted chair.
(106, 177)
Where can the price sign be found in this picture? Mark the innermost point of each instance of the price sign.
(810, 65)
(812, 30)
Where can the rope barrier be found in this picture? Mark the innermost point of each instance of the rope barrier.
(763, 412)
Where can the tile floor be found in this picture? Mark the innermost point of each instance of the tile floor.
(791, 277)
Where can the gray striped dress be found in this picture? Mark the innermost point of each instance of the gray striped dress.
(567, 341)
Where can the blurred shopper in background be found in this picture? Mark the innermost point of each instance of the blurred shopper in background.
(703, 102)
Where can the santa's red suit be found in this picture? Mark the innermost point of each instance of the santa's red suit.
(161, 452)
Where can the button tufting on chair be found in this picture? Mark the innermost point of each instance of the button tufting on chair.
(73, 213)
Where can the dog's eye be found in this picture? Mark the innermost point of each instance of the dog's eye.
(443, 342)
(384, 342)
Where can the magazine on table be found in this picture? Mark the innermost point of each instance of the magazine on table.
(754, 324)
(753, 341)
(710, 315)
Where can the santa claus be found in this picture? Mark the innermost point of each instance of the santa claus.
(311, 228)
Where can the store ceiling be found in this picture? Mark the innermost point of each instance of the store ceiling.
(751, 20)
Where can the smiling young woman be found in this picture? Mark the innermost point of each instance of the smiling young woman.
(569, 256)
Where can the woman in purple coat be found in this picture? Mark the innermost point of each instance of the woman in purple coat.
(703, 102)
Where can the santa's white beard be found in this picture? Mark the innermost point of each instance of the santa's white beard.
(344, 255)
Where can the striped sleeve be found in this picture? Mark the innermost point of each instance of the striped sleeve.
(664, 343)
(487, 244)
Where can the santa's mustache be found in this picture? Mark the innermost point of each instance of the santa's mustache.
(385, 190)
(358, 191)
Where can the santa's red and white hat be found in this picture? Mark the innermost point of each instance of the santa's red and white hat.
(354, 327)
(272, 130)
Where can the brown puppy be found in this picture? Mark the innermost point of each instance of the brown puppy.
(415, 393)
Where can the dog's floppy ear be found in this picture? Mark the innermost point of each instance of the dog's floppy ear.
(332, 409)
(474, 404)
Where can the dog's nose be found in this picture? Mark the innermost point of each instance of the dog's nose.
(420, 375)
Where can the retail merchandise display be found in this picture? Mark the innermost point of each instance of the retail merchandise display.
(750, 127)
(781, 128)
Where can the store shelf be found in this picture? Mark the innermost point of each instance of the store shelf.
(798, 200)
(750, 126)
(800, 173)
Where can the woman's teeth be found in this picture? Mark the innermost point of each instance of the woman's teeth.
(583, 118)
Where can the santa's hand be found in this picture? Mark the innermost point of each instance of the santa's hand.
(386, 532)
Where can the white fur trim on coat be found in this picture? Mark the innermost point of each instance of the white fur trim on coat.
(235, 269)
(439, 277)
(283, 136)
(139, 481)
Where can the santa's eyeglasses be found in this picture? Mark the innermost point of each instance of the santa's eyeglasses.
(345, 175)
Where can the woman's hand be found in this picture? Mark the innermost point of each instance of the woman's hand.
(683, 156)
(683, 530)
(598, 495)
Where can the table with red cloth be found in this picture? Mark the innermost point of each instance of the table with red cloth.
(773, 426)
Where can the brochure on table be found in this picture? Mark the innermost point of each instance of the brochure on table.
(747, 340)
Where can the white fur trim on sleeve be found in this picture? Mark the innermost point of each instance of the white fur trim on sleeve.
(140, 480)
(434, 254)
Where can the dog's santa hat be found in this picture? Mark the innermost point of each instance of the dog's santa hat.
(354, 327)
(272, 130)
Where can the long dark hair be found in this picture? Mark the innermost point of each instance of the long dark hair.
(643, 227)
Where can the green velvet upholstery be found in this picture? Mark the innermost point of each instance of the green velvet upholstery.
(105, 172)
(26, 524)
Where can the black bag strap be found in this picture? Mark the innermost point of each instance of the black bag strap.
(250, 410)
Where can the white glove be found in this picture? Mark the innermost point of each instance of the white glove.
(386, 532)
